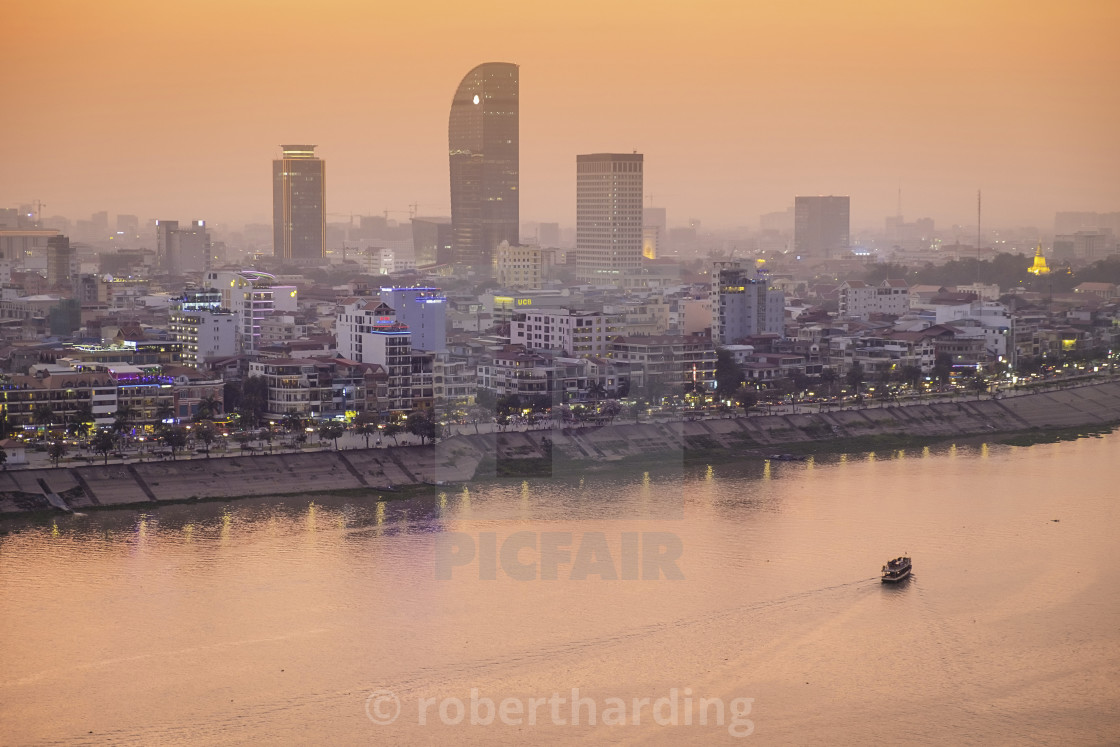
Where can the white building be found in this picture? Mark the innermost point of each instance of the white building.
(858, 300)
(248, 294)
(578, 333)
(609, 219)
(520, 266)
(204, 334)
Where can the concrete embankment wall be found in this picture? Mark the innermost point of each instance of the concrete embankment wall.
(466, 457)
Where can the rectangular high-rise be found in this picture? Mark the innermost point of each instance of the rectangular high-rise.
(609, 218)
(821, 225)
(299, 204)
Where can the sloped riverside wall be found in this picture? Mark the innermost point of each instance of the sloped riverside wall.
(465, 457)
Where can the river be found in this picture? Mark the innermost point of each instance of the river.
(317, 620)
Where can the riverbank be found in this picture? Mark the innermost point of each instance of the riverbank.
(386, 472)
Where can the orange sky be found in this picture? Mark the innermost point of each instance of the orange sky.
(175, 109)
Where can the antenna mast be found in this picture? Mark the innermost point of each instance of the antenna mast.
(978, 236)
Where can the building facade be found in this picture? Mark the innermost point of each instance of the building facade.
(299, 198)
(182, 251)
(821, 225)
(483, 147)
(578, 333)
(743, 304)
(609, 218)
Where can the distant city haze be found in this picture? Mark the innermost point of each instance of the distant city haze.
(171, 109)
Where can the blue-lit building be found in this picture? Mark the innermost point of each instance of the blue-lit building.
(424, 312)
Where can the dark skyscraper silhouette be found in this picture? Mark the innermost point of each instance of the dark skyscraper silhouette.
(482, 136)
(299, 203)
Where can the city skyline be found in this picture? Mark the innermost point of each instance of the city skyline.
(936, 99)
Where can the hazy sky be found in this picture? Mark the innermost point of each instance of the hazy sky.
(175, 109)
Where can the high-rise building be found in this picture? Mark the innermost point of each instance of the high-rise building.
(609, 218)
(482, 136)
(62, 265)
(182, 251)
(299, 189)
(744, 304)
(821, 225)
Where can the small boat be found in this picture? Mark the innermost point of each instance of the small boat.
(896, 570)
(787, 457)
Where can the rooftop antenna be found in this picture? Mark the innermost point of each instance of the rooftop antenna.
(978, 237)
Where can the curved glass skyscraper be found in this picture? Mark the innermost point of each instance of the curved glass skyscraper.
(482, 136)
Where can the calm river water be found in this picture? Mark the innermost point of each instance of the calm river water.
(263, 621)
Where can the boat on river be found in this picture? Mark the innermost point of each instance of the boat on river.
(896, 570)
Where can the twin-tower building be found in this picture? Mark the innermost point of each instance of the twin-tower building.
(483, 137)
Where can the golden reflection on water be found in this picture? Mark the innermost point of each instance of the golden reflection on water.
(188, 532)
(925, 452)
(766, 470)
(311, 511)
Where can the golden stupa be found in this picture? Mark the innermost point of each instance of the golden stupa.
(1039, 267)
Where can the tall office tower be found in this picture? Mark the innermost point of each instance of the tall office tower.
(299, 199)
(61, 262)
(182, 251)
(482, 137)
(609, 218)
(821, 226)
(744, 304)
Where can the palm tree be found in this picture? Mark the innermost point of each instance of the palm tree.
(164, 411)
(208, 408)
(83, 418)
